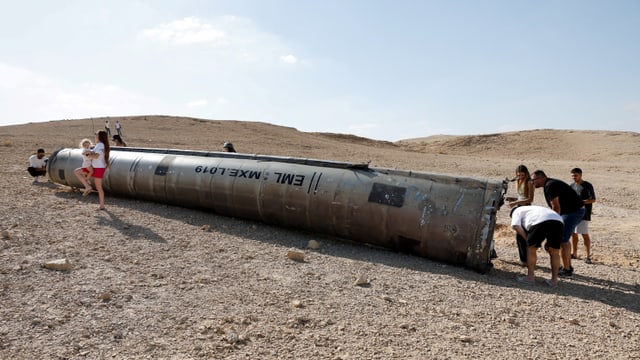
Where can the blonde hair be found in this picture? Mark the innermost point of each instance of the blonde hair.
(85, 141)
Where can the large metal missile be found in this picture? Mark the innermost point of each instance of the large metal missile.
(442, 217)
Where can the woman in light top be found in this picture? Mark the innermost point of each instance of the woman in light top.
(524, 188)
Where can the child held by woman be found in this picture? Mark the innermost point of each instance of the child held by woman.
(87, 147)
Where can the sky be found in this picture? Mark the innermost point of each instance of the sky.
(381, 69)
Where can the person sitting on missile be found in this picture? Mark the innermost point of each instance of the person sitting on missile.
(228, 147)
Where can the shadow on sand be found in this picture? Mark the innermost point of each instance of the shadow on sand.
(616, 294)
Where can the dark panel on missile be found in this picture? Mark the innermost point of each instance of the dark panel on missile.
(163, 168)
(387, 194)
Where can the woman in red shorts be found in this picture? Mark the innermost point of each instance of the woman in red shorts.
(100, 162)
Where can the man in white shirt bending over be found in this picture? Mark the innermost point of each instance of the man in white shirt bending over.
(537, 224)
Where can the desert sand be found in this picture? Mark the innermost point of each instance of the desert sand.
(155, 281)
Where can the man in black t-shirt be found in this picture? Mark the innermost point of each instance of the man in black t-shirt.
(562, 199)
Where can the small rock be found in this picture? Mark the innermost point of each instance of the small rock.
(105, 297)
(465, 338)
(6, 234)
(206, 228)
(60, 265)
(232, 338)
(362, 280)
(313, 245)
(296, 303)
(295, 255)
(574, 322)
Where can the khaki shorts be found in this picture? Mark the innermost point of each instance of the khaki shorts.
(582, 228)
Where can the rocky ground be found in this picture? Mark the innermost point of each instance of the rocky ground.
(149, 280)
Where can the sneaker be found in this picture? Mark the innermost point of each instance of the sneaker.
(550, 283)
(573, 256)
(565, 272)
(35, 180)
(588, 260)
(493, 255)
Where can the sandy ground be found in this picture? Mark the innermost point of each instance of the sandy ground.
(157, 281)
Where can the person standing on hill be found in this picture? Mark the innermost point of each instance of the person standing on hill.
(118, 129)
(585, 191)
(562, 199)
(107, 127)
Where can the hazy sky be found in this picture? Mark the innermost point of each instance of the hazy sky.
(388, 70)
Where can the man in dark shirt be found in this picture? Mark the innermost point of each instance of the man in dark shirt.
(562, 199)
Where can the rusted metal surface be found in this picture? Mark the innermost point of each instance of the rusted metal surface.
(437, 216)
